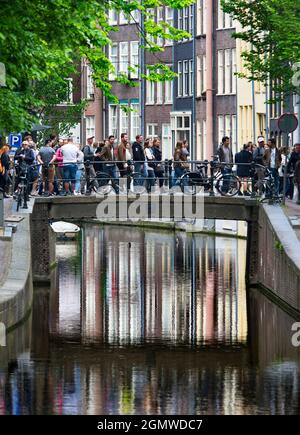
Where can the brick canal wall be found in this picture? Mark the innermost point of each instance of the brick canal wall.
(278, 257)
(16, 291)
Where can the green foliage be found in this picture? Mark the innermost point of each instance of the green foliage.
(272, 29)
(42, 41)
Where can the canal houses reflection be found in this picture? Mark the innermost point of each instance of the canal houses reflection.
(152, 286)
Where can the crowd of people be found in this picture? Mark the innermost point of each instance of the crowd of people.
(61, 167)
(264, 155)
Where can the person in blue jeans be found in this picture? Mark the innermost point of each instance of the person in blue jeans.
(70, 155)
(180, 162)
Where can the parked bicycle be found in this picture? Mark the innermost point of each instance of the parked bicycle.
(132, 182)
(21, 194)
(192, 182)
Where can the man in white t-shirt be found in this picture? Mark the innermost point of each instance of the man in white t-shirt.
(70, 154)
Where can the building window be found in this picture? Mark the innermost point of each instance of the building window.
(123, 119)
(179, 80)
(134, 17)
(134, 59)
(69, 92)
(113, 57)
(225, 21)
(152, 131)
(191, 72)
(166, 142)
(89, 83)
(113, 120)
(221, 130)
(201, 17)
(159, 93)
(123, 18)
(234, 70)
(135, 121)
(227, 126)
(185, 78)
(90, 126)
(185, 19)
(181, 126)
(149, 90)
(123, 57)
(169, 19)
(160, 19)
(201, 75)
(168, 91)
(220, 72)
(201, 143)
(112, 17)
(191, 19)
(185, 87)
(226, 71)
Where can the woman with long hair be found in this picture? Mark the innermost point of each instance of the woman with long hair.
(150, 158)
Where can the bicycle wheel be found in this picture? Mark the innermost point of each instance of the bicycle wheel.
(104, 183)
(228, 185)
(136, 183)
(188, 186)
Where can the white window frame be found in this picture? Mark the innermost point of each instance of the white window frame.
(134, 54)
(221, 128)
(152, 131)
(225, 21)
(201, 17)
(228, 71)
(160, 19)
(112, 17)
(123, 120)
(90, 125)
(122, 18)
(90, 87)
(70, 94)
(169, 19)
(185, 78)
(159, 93)
(114, 60)
(166, 141)
(150, 90)
(168, 91)
(221, 84)
(124, 57)
(113, 119)
(234, 70)
(191, 77)
(179, 80)
(135, 127)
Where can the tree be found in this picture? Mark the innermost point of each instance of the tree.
(272, 30)
(44, 40)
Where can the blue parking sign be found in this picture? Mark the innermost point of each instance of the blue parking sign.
(15, 141)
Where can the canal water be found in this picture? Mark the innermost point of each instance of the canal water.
(150, 322)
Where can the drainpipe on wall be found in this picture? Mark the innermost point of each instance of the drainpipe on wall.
(194, 135)
(142, 71)
(209, 81)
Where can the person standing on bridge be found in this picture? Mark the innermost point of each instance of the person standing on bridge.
(70, 155)
(46, 157)
(225, 156)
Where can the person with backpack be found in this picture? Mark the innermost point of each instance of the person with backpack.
(294, 165)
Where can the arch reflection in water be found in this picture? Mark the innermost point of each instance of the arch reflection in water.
(152, 287)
